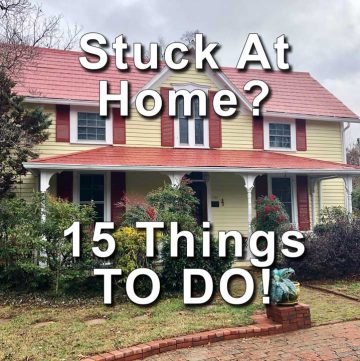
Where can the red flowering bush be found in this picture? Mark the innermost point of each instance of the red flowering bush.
(271, 215)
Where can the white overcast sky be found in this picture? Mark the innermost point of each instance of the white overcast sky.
(324, 34)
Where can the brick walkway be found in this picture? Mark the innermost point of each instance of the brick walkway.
(339, 341)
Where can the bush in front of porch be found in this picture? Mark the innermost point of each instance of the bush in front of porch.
(332, 251)
(34, 254)
(176, 204)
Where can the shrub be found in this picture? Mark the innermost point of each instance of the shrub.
(34, 253)
(20, 241)
(136, 212)
(177, 204)
(356, 199)
(333, 250)
(172, 271)
(60, 215)
(130, 251)
(271, 215)
(174, 204)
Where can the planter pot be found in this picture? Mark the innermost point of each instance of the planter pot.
(293, 300)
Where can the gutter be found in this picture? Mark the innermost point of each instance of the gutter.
(285, 171)
(343, 131)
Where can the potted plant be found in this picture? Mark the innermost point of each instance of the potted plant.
(283, 291)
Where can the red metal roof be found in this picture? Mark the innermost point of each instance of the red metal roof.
(59, 75)
(115, 156)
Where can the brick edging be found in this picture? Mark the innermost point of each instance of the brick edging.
(288, 319)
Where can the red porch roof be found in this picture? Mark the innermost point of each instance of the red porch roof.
(58, 74)
(116, 157)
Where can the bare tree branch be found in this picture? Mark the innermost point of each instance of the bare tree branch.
(24, 27)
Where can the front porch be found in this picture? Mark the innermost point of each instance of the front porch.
(227, 199)
(231, 180)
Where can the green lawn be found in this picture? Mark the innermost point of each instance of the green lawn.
(35, 331)
(62, 332)
(349, 287)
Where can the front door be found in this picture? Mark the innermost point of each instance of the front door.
(198, 184)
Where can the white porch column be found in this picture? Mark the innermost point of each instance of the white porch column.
(348, 189)
(175, 178)
(249, 185)
(45, 176)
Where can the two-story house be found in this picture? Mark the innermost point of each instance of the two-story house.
(295, 150)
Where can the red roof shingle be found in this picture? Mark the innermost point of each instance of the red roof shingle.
(59, 75)
(111, 156)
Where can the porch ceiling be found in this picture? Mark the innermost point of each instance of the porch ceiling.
(209, 160)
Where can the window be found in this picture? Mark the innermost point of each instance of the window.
(88, 127)
(280, 135)
(91, 126)
(190, 131)
(281, 188)
(92, 190)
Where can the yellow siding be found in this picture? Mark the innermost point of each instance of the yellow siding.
(237, 132)
(139, 184)
(233, 214)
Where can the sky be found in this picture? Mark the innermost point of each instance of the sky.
(324, 34)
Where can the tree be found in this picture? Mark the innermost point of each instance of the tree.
(23, 28)
(189, 36)
(353, 158)
(21, 129)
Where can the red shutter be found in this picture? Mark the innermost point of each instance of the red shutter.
(215, 140)
(303, 203)
(261, 186)
(65, 186)
(119, 127)
(167, 122)
(118, 188)
(258, 133)
(301, 143)
(62, 123)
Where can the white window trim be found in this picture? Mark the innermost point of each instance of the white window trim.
(190, 87)
(267, 134)
(294, 204)
(107, 191)
(74, 110)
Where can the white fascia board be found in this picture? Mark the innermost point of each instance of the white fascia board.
(52, 101)
(39, 100)
(61, 167)
(310, 117)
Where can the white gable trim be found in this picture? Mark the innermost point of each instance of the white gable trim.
(217, 76)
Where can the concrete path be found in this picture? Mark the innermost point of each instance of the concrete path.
(339, 341)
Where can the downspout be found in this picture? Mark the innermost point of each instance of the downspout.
(343, 131)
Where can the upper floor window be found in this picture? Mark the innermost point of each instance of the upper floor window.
(87, 126)
(280, 135)
(192, 131)
(91, 126)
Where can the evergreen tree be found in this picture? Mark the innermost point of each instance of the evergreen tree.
(21, 129)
